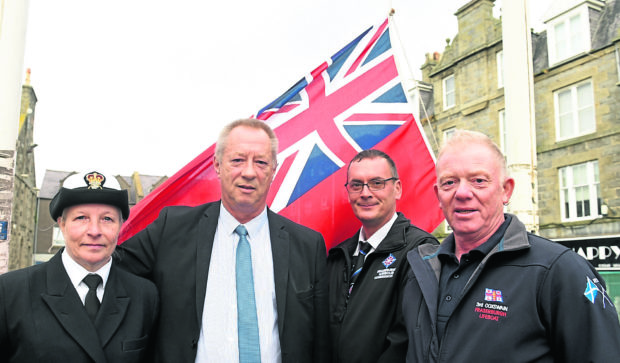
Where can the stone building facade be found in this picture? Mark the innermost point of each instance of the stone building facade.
(576, 67)
(594, 72)
(465, 85)
(23, 218)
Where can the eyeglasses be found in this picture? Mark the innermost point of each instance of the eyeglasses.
(373, 185)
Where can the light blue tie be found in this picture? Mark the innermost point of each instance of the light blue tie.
(247, 322)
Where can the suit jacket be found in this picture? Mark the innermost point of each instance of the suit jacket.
(175, 252)
(42, 318)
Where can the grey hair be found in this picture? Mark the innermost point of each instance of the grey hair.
(247, 122)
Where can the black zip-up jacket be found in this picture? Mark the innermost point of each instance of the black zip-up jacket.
(529, 300)
(369, 325)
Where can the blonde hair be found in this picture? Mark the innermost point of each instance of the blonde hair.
(462, 138)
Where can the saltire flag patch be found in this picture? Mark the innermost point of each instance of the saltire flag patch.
(593, 288)
(352, 102)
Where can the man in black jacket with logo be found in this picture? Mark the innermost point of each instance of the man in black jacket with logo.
(367, 271)
(493, 292)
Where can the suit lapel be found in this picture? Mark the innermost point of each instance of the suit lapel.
(204, 246)
(113, 307)
(65, 304)
(280, 251)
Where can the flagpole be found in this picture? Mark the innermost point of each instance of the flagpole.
(417, 97)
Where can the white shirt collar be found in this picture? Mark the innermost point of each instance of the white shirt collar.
(378, 236)
(229, 223)
(76, 272)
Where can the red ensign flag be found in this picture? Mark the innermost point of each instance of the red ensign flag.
(351, 102)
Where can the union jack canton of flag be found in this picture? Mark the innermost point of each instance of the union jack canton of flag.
(352, 102)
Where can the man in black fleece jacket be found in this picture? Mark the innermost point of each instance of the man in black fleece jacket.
(367, 271)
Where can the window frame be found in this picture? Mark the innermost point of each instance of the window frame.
(593, 186)
(573, 49)
(444, 81)
(574, 111)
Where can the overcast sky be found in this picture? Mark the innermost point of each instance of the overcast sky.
(146, 85)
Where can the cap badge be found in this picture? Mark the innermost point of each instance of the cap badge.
(94, 180)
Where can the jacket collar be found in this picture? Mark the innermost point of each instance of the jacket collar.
(65, 304)
(204, 245)
(394, 240)
(515, 238)
(113, 307)
(280, 250)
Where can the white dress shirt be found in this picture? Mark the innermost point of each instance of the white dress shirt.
(376, 238)
(218, 340)
(77, 273)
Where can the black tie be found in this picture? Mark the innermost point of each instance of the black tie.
(91, 303)
(359, 262)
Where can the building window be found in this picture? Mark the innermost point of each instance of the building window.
(569, 35)
(449, 93)
(500, 68)
(447, 133)
(574, 111)
(580, 194)
(58, 239)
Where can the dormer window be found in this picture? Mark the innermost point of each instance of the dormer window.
(568, 34)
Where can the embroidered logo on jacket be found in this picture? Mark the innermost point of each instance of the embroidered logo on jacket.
(387, 272)
(487, 310)
(389, 260)
(493, 295)
(593, 287)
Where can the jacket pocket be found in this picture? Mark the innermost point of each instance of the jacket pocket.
(135, 344)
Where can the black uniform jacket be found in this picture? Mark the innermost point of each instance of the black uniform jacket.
(42, 318)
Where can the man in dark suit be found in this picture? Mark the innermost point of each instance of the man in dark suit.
(49, 313)
(193, 256)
